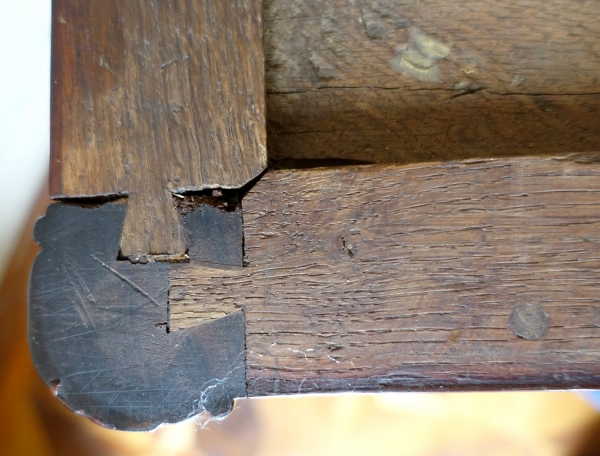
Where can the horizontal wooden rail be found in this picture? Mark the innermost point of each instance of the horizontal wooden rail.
(463, 275)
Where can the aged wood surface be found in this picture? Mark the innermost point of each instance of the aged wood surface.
(400, 126)
(461, 275)
(98, 327)
(153, 97)
(213, 229)
(408, 81)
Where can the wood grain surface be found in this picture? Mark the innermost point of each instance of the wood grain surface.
(409, 81)
(154, 97)
(414, 278)
(33, 422)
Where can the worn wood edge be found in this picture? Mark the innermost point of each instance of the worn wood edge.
(55, 184)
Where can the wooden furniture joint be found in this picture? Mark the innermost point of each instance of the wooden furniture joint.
(169, 98)
(212, 280)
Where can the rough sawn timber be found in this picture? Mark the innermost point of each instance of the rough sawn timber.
(411, 81)
(154, 97)
(388, 277)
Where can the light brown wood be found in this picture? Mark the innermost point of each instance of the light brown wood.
(410, 81)
(155, 97)
(388, 277)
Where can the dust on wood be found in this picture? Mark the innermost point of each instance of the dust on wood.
(387, 277)
(155, 97)
(186, 204)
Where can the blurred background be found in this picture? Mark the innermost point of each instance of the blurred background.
(33, 422)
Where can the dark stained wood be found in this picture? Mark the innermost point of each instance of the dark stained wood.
(400, 126)
(97, 329)
(405, 278)
(403, 82)
(214, 231)
(155, 97)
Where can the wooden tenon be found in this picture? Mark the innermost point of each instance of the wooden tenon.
(151, 98)
(479, 270)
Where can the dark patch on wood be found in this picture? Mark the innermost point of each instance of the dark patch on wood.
(529, 321)
(291, 163)
(404, 278)
(215, 234)
(214, 231)
(96, 330)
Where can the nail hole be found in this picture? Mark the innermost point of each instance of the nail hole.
(529, 321)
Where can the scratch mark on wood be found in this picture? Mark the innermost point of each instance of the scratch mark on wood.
(80, 303)
(441, 252)
(126, 280)
(125, 373)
